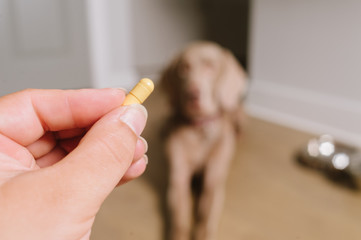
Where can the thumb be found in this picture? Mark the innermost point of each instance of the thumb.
(96, 165)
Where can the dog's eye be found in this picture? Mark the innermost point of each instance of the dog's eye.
(184, 70)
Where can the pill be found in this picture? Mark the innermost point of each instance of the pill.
(140, 92)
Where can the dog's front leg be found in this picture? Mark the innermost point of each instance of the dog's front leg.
(180, 206)
(179, 196)
(212, 197)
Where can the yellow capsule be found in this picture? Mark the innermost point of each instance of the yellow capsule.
(140, 92)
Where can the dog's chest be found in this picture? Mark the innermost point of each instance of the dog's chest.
(200, 141)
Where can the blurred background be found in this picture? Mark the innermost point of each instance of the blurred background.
(303, 59)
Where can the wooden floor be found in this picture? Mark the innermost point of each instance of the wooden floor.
(269, 196)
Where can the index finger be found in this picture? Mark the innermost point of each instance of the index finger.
(27, 115)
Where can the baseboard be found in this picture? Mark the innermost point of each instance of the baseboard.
(306, 110)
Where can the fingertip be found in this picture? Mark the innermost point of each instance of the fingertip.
(135, 170)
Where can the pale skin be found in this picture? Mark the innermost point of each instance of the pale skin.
(62, 152)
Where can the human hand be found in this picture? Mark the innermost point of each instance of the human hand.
(61, 154)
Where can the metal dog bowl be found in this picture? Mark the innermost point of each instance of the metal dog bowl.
(339, 162)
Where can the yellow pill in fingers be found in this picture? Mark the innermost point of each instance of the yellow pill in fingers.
(140, 92)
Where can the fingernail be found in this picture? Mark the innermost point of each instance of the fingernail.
(135, 116)
(123, 89)
(145, 143)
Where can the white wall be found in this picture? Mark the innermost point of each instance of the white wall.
(305, 61)
(43, 44)
(161, 28)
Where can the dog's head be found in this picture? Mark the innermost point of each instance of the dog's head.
(204, 80)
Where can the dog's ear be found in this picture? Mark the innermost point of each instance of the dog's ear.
(170, 83)
(232, 82)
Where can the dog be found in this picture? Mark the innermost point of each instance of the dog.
(204, 85)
